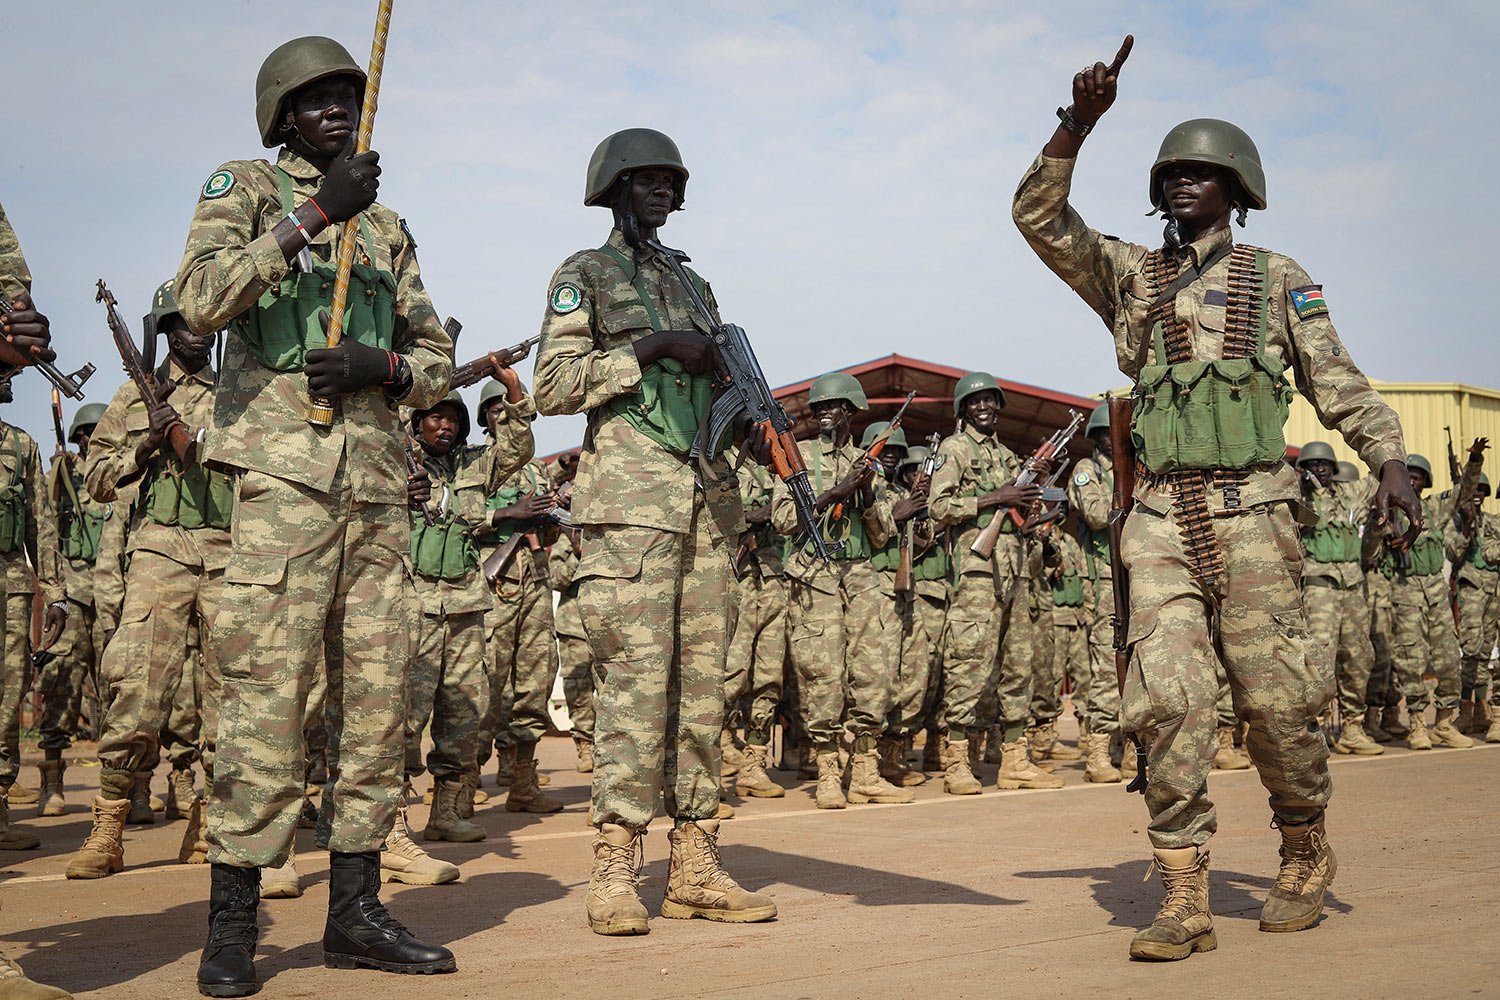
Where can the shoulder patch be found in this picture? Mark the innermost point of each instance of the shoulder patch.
(565, 297)
(1308, 301)
(1082, 479)
(220, 183)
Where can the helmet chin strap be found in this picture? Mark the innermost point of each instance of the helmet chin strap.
(625, 208)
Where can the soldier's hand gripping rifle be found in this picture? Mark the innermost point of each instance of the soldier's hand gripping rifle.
(984, 545)
(414, 467)
(877, 447)
(747, 393)
(484, 367)
(69, 385)
(905, 582)
(183, 441)
(1123, 448)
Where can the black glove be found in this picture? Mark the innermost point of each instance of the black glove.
(351, 184)
(350, 367)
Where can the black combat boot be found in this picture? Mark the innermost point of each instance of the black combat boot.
(227, 968)
(361, 932)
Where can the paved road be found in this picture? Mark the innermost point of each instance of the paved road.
(1011, 892)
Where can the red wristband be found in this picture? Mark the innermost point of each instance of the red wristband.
(314, 203)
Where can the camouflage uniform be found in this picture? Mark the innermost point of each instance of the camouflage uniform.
(171, 584)
(1382, 691)
(575, 662)
(841, 624)
(1333, 592)
(1091, 494)
(1423, 633)
(1069, 595)
(319, 569)
(758, 650)
(654, 579)
(1475, 555)
(920, 614)
(1261, 636)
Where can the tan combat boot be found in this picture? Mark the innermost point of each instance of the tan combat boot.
(13, 838)
(525, 794)
(1051, 747)
(724, 810)
(1416, 736)
(1228, 758)
(933, 753)
(1354, 740)
(142, 809)
(753, 781)
(20, 795)
(830, 794)
(698, 885)
(807, 762)
(866, 784)
(893, 767)
(283, 882)
(470, 794)
(958, 774)
(1017, 770)
(1464, 722)
(401, 860)
(15, 986)
(730, 752)
(180, 793)
(1184, 924)
(1372, 726)
(1447, 734)
(1098, 768)
(1307, 869)
(1390, 721)
(1492, 734)
(585, 750)
(194, 847)
(52, 801)
(614, 902)
(505, 762)
(986, 750)
(444, 822)
(103, 853)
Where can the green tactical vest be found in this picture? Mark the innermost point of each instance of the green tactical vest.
(888, 559)
(1067, 591)
(1224, 414)
(849, 529)
(13, 504)
(984, 484)
(81, 527)
(506, 496)
(934, 564)
(671, 404)
(1427, 555)
(283, 326)
(443, 551)
(1476, 557)
(1332, 543)
(193, 497)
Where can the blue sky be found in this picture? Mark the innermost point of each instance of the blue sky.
(852, 163)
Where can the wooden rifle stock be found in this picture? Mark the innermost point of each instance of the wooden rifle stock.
(1122, 448)
(182, 440)
(480, 368)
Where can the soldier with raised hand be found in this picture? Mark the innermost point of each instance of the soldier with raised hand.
(1472, 544)
(975, 483)
(622, 342)
(1213, 333)
(318, 572)
(841, 624)
(1090, 493)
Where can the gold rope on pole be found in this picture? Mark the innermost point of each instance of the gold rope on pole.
(320, 411)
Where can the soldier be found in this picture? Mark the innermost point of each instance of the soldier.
(1208, 331)
(622, 342)
(1382, 695)
(975, 483)
(758, 649)
(575, 661)
(922, 613)
(1471, 543)
(72, 667)
(1091, 493)
(842, 627)
(1333, 590)
(317, 574)
(1065, 594)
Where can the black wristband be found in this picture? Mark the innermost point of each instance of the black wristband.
(400, 384)
(1065, 115)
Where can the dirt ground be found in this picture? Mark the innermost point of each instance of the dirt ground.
(1034, 893)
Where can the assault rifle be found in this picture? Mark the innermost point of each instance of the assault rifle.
(1455, 471)
(1123, 448)
(57, 423)
(877, 447)
(183, 441)
(747, 393)
(484, 366)
(495, 563)
(413, 467)
(905, 583)
(69, 385)
(984, 545)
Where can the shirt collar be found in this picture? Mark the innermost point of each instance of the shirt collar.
(177, 374)
(977, 437)
(1204, 248)
(295, 165)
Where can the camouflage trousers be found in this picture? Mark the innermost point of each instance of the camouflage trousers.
(1177, 646)
(182, 737)
(316, 581)
(758, 653)
(920, 618)
(656, 607)
(1425, 640)
(844, 645)
(1338, 622)
(1045, 693)
(1007, 700)
(575, 663)
(64, 677)
(523, 661)
(149, 666)
(15, 667)
(1069, 660)
(448, 682)
(977, 619)
(1382, 691)
(1102, 706)
(1478, 633)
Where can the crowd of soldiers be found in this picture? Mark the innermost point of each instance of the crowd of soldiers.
(298, 612)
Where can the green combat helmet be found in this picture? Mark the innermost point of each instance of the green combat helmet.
(1420, 464)
(492, 393)
(1484, 481)
(163, 304)
(1098, 420)
(915, 456)
(296, 64)
(88, 415)
(631, 149)
(969, 385)
(838, 385)
(1209, 140)
(463, 416)
(1347, 472)
(896, 440)
(1316, 451)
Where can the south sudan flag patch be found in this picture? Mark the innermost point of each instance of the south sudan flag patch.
(1309, 302)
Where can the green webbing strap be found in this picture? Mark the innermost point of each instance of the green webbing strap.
(634, 274)
(284, 182)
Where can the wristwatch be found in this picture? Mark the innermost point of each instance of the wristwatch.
(1065, 115)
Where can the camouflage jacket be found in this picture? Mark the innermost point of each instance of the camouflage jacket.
(827, 466)
(759, 552)
(586, 359)
(1069, 560)
(1463, 541)
(78, 574)
(562, 564)
(1107, 273)
(259, 419)
(528, 565)
(15, 277)
(1348, 503)
(1091, 492)
(108, 583)
(973, 464)
(21, 461)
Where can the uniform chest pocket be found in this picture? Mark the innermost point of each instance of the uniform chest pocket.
(622, 323)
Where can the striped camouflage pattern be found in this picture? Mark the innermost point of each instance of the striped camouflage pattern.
(575, 661)
(15, 276)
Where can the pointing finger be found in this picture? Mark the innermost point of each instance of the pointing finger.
(1121, 56)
